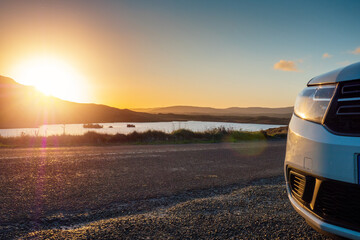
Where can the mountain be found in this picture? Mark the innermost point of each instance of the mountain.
(24, 106)
(233, 111)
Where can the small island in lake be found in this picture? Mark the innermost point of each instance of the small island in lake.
(130, 125)
(92, 125)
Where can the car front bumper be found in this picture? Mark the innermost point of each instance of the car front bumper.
(318, 224)
(314, 151)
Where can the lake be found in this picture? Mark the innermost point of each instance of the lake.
(121, 127)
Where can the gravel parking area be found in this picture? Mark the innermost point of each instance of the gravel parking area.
(158, 191)
(258, 211)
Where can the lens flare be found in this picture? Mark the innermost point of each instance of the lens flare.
(250, 149)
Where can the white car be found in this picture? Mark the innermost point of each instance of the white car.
(322, 163)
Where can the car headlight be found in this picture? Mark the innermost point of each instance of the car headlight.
(313, 102)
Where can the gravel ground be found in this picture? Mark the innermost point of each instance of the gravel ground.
(158, 191)
(258, 211)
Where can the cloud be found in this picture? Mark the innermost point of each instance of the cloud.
(326, 55)
(356, 51)
(284, 65)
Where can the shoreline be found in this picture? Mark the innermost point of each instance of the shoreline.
(177, 118)
(150, 137)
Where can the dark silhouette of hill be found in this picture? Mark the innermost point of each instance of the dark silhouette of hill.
(24, 106)
(233, 111)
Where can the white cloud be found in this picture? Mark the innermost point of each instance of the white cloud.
(284, 65)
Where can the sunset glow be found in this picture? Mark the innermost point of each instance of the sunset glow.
(145, 54)
(52, 77)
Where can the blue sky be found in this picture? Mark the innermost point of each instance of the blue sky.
(204, 53)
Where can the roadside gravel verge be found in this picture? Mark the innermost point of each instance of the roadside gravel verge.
(260, 210)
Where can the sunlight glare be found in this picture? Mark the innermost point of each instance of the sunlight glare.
(51, 76)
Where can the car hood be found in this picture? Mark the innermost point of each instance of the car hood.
(348, 73)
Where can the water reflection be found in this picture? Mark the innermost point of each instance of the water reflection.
(123, 127)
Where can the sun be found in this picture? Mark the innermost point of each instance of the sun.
(52, 77)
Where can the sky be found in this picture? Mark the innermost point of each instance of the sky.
(141, 54)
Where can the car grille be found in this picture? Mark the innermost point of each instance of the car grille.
(338, 202)
(343, 116)
(333, 201)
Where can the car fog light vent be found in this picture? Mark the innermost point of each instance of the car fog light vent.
(297, 184)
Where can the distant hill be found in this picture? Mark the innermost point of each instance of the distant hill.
(233, 111)
(24, 106)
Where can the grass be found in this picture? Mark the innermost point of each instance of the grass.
(149, 137)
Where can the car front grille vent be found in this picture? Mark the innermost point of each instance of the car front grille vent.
(338, 202)
(343, 117)
(348, 110)
(351, 89)
(350, 96)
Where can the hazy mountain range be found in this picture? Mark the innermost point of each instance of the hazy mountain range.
(233, 111)
(24, 106)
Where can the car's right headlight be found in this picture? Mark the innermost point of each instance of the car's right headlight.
(313, 102)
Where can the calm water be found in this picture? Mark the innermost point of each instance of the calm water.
(121, 127)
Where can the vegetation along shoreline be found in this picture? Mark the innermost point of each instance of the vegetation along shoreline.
(181, 136)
